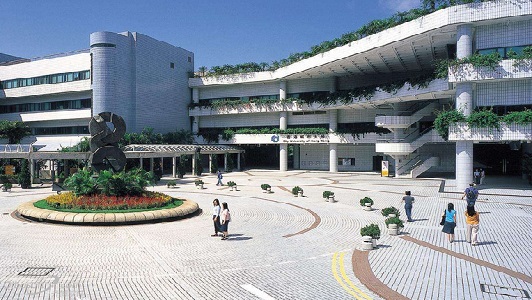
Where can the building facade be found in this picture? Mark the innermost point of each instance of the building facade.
(388, 80)
(130, 74)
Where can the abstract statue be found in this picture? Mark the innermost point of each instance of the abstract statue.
(104, 142)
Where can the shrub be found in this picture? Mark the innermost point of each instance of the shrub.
(171, 183)
(265, 186)
(82, 183)
(131, 183)
(372, 230)
(484, 118)
(390, 210)
(394, 220)
(445, 119)
(296, 189)
(327, 194)
(365, 200)
(24, 178)
(518, 117)
(7, 186)
(198, 182)
(231, 183)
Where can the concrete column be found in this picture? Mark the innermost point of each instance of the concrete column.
(332, 84)
(464, 164)
(464, 97)
(174, 166)
(297, 165)
(333, 120)
(225, 162)
(194, 164)
(151, 164)
(333, 158)
(210, 162)
(464, 103)
(141, 162)
(162, 165)
(32, 170)
(283, 120)
(195, 124)
(238, 161)
(464, 41)
(283, 157)
(195, 95)
(282, 90)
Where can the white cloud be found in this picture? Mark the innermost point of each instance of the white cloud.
(399, 5)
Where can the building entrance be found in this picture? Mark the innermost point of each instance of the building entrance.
(498, 159)
(261, 156)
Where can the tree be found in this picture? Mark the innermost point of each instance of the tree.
(24, 178)
(14, 131)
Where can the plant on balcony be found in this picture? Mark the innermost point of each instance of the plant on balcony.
(484, 118)
(518, 117)
(444, 119)
(523, 60)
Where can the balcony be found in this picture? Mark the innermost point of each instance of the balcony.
(332, 138)
(507, 69)
(507, 132)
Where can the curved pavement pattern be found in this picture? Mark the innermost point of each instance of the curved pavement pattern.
(281, 247)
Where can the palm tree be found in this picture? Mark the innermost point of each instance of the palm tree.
(202, 70)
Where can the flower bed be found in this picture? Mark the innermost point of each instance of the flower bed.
(69, 202)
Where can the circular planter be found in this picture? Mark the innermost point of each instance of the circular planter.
(269, 190)
(233, 188)
(367, 243)
(28, 210)
(300, 194)
(367, 206)
(374, 243)
(199, 186)
(392, 216)
(331, 199)
(393, 229)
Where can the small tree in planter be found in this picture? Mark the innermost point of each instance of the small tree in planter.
(297, 191)
(199, 184)
(232, 185)
(366, 202)
(390, 211)
(24, 178)
(394, 224)
(6, 187)
(171, 184)
(266, 188)
(328, 196)
(373, 231)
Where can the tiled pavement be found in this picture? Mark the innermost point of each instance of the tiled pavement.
(270, 247)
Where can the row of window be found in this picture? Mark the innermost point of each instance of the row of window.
(503, 51)
(57, 105)
(46, 79)
(60, 130)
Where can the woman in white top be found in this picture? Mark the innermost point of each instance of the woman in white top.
(216, 217)
(225, 218)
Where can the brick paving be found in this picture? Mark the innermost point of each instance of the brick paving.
(284, 246)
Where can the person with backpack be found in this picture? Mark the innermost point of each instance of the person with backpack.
(225, 217)
(220, 177)
(471, 193)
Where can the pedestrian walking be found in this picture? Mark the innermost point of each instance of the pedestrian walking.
(220, 177)
(450, 222)
(225, 217)
(482, 176)
(472, 221)
(216, 216)
(471, 193)
(476, 176)
(408, 200)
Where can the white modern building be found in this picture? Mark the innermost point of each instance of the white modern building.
(374, 99)
(408, 110)
(130, 74)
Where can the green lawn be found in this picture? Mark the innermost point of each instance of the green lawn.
(44, 205)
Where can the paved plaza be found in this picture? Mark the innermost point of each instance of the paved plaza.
(280, 246)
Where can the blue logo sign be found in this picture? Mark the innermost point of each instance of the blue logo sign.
(275, 138)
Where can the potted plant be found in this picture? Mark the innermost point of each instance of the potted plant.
(394, 225)
(6, 187)
(388, 211)
(171, 184)
(199, 184)
(373, 231)
(328, 196)
(297, 191)
(266, 188)
(232, 185)
(366, 202)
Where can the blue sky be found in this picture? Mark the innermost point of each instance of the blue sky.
(217, 31)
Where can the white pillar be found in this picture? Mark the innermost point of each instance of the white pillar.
(32, 170)
(464, 164)
(210, 162)
(282, 90)
(174, 166)
(141, 162)
(194, 164)
(283, 157)
(195, 124)
(464, 97)
(464, 41)
(195, 95)
(225, 162)
(296, 157)
(283, 120)
(238, 161)
(333, 120)
(333, 158)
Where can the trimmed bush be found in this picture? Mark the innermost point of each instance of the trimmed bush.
(327, 194)
(372, 230)
(296, 189)
(390, 210)
(394, 220)
(365, 200)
